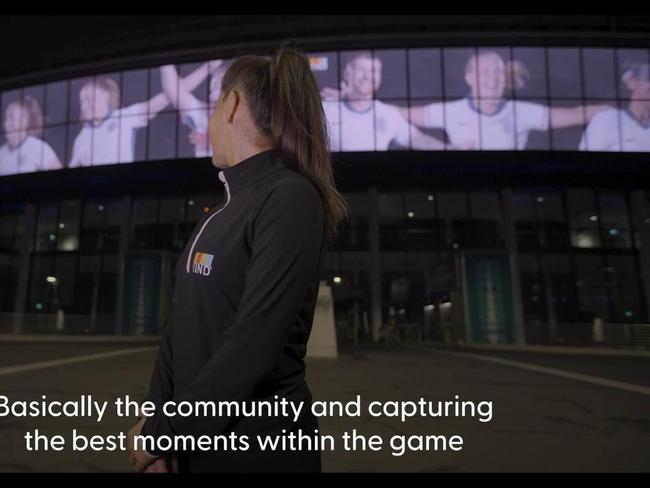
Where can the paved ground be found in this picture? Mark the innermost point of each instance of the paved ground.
(620, 368)
(541, 422)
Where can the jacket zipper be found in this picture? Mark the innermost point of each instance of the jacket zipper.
(222, 177)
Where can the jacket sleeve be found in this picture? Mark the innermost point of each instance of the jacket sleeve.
(287, 238)
(161, 386)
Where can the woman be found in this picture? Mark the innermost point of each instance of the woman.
(247, 281)
(486, 119)
(24, 151)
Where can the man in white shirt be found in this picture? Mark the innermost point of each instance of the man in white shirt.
(358, 122)
(24, 151)
(108, 134)
(485, 119)
(626, 129)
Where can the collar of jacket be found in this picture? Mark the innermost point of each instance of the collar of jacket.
(251, 170)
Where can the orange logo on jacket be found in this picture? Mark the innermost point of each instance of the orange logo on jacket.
(202, 263)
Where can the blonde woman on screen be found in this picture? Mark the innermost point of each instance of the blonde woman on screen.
(486, 119)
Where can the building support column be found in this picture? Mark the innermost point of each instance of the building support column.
(375, 265)
(26, 247)
(510, 237)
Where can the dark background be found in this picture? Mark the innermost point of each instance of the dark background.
(39, 43)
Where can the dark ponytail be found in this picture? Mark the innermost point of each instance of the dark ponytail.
(286, 105)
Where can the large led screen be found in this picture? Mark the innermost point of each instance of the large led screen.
(430, 99)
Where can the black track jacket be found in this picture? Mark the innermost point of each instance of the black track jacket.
(244, 300)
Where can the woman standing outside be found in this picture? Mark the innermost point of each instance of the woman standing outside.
(247, 281)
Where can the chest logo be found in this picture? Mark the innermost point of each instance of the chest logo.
(202, 264)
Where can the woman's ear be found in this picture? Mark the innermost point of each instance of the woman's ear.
(233, 105)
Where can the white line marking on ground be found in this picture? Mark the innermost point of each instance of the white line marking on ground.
(585, 378)
(21, 368)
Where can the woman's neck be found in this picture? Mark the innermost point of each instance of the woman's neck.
(246, 151)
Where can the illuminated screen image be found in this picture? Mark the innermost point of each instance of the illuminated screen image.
(430, 99)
